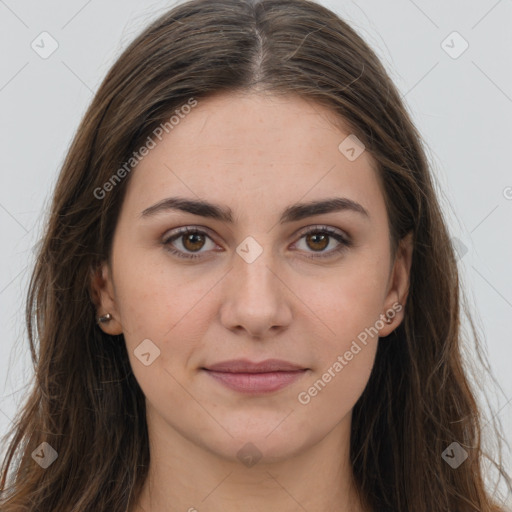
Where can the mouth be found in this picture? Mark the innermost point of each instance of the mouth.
(255, 378)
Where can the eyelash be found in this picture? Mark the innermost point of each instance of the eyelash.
(344, 242)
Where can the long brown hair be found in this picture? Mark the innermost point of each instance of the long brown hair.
(85, 402)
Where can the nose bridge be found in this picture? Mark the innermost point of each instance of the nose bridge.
(255, 298)
(252, 275)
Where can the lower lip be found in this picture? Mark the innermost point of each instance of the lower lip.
(256, 382)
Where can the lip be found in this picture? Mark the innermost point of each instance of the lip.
(246, 366)
(246, 376)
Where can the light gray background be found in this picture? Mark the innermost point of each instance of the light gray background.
(462, 106)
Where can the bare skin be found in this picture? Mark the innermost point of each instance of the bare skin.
(257, 155)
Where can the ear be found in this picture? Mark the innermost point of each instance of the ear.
(103, 297)
(398, 287)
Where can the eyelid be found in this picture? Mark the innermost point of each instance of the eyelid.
(344, 240)
(341, 237)
(177, 233)
(324, 228)
(192, 228)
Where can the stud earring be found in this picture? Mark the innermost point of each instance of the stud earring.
(104, 318)
(389, 319)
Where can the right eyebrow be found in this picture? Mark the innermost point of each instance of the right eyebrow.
(292, 213)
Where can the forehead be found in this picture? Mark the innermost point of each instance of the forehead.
(253, 151)
(241, 123)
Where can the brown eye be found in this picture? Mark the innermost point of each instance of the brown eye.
(193, 241)
(317, 241)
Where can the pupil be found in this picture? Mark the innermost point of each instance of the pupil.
(190, 238)
(196, 238)
(323, 237)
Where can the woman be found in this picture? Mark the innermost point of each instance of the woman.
(246, 297)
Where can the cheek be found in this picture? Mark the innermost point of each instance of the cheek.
(152, 295)
(350, 307)
(351, 299)
(170, 307)
(331, 393)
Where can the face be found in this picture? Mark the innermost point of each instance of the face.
(256, 278)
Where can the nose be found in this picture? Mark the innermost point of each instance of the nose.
(256, 298)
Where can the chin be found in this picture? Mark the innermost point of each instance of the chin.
(264, 442)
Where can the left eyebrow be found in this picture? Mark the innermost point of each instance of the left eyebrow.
(292, 213)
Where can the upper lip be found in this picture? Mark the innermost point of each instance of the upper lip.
(246, 366)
